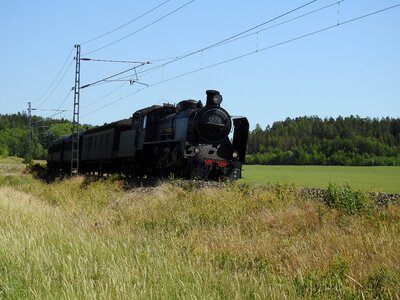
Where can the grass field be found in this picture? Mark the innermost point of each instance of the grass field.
(11, 166)
(77, 239)
(84, 239)
(370, 179)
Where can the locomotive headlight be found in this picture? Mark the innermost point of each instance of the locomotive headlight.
(196, 150)
(235, 154)
(217, 99)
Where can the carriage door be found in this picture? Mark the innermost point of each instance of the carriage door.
(140, 132)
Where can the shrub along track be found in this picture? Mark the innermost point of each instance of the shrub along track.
(379, 198)
(40, 172)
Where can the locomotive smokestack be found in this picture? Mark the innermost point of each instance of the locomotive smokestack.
(213, 97)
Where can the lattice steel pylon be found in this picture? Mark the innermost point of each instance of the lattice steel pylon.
(30, 128)
(75, 118)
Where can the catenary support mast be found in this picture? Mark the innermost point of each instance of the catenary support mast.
(30, 129)
(75, 118)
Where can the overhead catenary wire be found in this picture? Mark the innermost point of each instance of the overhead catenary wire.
(175, 59)
(336, 25)
(125, 24)
(57, 113)
(111, 60)
(57, 85)
(105, 96)
(231, 37)
(114, 75)
(283, 22)
(55, 78)
(65, 98)
(58, 110)
(49, 109)
(279, 44)
(142, 28)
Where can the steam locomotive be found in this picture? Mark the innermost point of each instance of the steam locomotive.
(189, 140)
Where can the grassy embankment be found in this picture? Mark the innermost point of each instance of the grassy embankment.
(76, 239)
(369, 179)
(11, 166)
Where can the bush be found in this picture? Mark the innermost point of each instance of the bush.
(3, 151)
(346, 198)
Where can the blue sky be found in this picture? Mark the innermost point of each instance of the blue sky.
(350, 69)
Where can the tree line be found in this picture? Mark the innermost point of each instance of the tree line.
(14, 134)
(315, 141)
(299, 141)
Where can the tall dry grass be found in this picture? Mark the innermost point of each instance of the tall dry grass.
(77, 239)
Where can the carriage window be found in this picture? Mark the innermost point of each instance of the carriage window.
(144, 122)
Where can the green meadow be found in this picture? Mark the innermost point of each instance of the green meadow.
(81, 238)
(368, 179)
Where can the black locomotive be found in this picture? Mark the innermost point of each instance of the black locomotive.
(188, 140)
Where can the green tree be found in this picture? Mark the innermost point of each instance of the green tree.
(342, 141)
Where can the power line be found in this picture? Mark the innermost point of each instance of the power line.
(125, 24)
(48, 109)
(105, 96)
(118, 100)
(55, 114)
(284, 22)
(142, 28)
(189, 54)
(251, 53)
(231, 37)
(205, 48)
(278, 44)
(218, 44)
(111, 60)
(114, 75)
(370, 14)
(177, 58)
(55, 88)
(57, 111)
(65, 98)
(58, 74)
